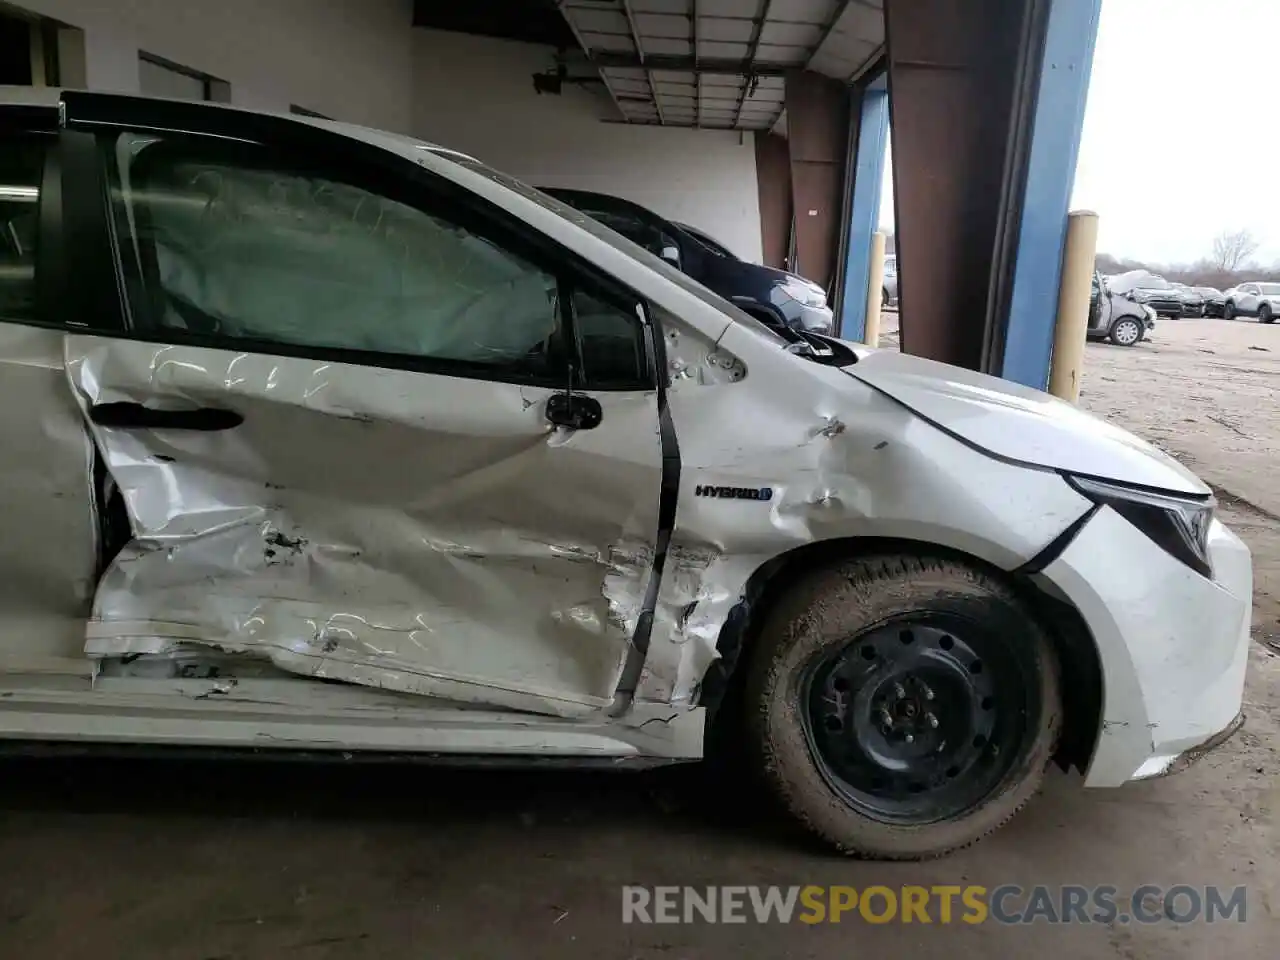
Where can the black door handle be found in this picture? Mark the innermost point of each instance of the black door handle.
(126, 415)
(575, 410)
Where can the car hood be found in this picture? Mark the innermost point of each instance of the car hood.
(1016, 423)
(782, 275)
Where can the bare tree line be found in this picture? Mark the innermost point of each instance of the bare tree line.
(1227, 264)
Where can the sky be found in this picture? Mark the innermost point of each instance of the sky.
(1181, 135)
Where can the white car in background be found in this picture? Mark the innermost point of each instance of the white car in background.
(889, 284)
(1254, 299)
(325, 439)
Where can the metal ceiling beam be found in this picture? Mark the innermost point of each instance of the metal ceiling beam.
(749, 80)
(648, 74)
(607, 60)
(562, 6)
(697, 77)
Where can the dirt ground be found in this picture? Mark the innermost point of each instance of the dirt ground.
(153, 860)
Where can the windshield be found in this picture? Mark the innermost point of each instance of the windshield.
(1269, 289)
(615, 240)
(715, 247)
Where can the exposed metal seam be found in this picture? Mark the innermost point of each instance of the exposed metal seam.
(748, 73)
(667, 501)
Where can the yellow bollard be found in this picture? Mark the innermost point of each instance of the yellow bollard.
(875, 281)
(1073, 305)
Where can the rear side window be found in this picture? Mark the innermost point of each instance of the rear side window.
(21, 162)
(228, 244)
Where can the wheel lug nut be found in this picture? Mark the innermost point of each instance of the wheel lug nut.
(886, 716)
(931, 720)
(899, 691)
(926, 690)
(909, 738)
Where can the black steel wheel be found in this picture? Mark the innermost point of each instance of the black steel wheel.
(917, 719)
(902, 706)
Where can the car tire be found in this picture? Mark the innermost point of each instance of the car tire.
(1229, 310)
(885, 301)
(1127, 331)
(925, 634)
(1265, 315)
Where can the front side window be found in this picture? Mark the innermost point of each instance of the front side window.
(21, 160)
(226, 241)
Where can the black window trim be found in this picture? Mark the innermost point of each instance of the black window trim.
(104, 116)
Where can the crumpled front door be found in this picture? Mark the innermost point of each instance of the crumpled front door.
(413, 532)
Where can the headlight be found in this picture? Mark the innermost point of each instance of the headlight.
(1178, 525)
(811, 295)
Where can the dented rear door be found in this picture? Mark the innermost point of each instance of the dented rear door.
(326, 411)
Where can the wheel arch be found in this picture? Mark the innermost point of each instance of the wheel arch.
(1077, 652)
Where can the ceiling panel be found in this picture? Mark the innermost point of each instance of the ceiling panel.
(714, 28)
(659, 6)
(791, 34)
(665, 46)
(838, 38)
(600, 19)
(661, 25)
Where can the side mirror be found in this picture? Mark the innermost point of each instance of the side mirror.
(671, 254)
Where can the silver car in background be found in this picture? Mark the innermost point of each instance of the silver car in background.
(889, 284)
(1255, 299)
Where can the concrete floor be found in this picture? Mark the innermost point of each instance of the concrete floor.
(114, 859)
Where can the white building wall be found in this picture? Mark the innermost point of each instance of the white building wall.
(348, 59)
(362, 61)
(475, 94)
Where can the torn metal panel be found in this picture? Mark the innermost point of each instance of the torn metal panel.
(48, 553)
(421, 534)
(838, 459)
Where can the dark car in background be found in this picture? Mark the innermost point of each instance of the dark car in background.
(1150, 290)
(1214, 301)
(773, 296)
(1192, 300)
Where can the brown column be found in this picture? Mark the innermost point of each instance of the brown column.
(773, 179)
(960, 111)
(818, 134)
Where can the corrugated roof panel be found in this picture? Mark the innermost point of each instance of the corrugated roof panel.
(613, 42)
(662, 25)
(722, 51)
(665, 46)
(599, 20)
(716, 28)
(791, 56)
(791, 34)
(803, 11)
(660, 6)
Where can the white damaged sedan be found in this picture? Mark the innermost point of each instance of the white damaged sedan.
(325, 439)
